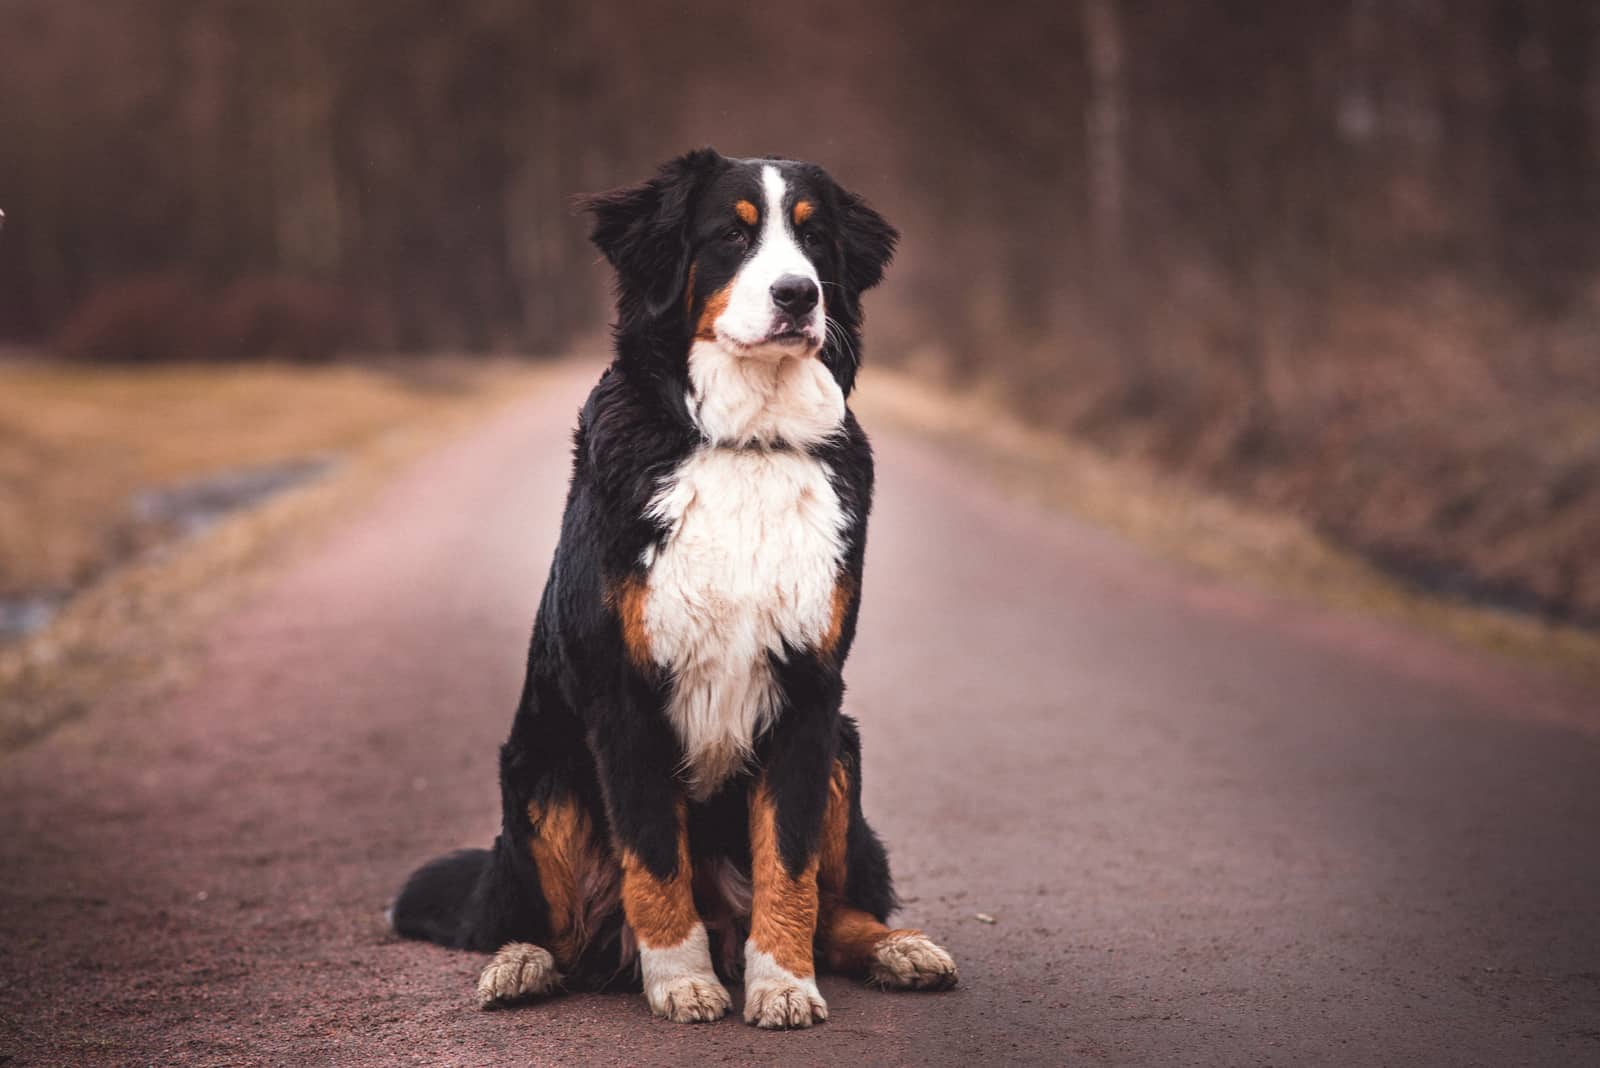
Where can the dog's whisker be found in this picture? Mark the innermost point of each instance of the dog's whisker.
(836, 330)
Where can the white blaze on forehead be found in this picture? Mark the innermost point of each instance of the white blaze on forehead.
(748, 318)
(776, 224)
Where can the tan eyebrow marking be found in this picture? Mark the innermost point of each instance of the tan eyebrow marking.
(803, 210)
(746, 211)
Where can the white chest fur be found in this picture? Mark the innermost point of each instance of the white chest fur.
(737, 400)
(750, 562)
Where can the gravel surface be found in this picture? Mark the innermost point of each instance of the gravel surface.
(1157, 820)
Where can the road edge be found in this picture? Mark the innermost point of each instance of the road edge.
(136, 632)
(1270, 553)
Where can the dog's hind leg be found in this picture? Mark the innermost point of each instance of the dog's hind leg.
(577, 886)
(579, 879)
(519, 971)
(856, 895)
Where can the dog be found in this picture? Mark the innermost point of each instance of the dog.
(680, 781)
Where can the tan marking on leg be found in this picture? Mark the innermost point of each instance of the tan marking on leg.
(848, 934)
(783, 907)
(627, 599)
(578, 879)
(661, 912)
(848, 937)
(747, 212)
(856, 942)
(716, 304)
(803, 210)
(832, 853)
(674, 953)
(780, 986)
(843, 593)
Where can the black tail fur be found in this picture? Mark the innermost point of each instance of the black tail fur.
(436, 902)
(472, 899)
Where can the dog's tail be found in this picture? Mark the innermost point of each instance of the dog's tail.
(434, 904)
(464, 900)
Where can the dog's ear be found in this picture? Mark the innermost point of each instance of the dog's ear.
(643, 230)
(866, 240)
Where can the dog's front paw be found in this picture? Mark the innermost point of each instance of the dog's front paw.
(910, 960)
(520, 970)
(783, 1003)
(688, 998)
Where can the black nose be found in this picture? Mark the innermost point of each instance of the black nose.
(794, 294)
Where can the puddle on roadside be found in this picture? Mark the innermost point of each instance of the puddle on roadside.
(21, 615)
(190, 508)
(172, 514)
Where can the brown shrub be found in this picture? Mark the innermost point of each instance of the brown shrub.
(274, 317)
(144, 319)
(167, 317)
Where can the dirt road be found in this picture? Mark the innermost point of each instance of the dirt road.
(1210, 829)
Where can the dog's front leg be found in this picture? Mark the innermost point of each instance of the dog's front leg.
(674, 954)
(649, 824)
(787, 803)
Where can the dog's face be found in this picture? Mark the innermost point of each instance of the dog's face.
(759, 251)
(765, 258)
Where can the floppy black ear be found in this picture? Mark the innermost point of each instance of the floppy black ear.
(867, 241)
(644, 229)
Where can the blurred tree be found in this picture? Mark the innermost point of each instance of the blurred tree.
(1299, 249)
(1106, 110)
(421, 153)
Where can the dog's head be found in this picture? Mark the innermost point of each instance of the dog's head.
(767, 258)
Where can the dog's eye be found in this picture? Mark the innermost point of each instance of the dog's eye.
(811, 239)
(736, 236)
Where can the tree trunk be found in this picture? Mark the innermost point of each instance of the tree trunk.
(1105, 117)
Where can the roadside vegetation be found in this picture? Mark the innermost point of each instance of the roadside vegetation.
(1216, 533)
(83, 447)
(105, 471)
(1445, 436)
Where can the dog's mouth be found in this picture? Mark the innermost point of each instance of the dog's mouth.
(789, 332)
(789, 340)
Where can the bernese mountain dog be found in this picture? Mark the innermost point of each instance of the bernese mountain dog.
(680, 779)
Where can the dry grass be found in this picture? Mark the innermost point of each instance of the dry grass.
(1434, 427)
(77, 442)
(1171, 515)
(99, 434)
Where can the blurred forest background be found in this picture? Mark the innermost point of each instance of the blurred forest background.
(1339, 258)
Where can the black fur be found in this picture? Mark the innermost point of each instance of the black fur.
(590, 725)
